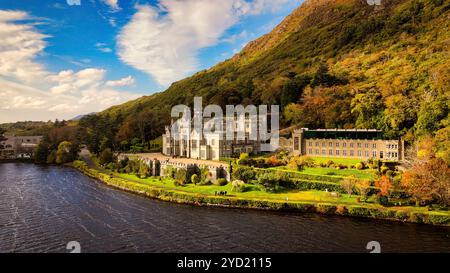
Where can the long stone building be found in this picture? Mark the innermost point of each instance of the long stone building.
(355, 143)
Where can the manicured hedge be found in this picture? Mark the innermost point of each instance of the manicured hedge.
(303, 176)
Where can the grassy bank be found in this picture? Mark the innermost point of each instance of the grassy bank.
(301, 201)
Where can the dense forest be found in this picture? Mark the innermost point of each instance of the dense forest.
(330, 64)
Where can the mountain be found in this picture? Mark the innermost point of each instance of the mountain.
(82, 116)
(331, 63)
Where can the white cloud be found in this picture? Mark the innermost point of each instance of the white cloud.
(73, 2)
(113, 4)
(127, 81)
(234, 38)
(103, 47)
(176, 30)
(30, 92)
(20, 44)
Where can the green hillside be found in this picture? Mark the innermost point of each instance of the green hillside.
(331, 63)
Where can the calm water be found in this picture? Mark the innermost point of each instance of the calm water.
(43, 208)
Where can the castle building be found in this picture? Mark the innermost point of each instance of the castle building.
(354, 143)
(211, 146)
(19, 146)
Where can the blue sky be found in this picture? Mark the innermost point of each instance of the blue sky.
(61, 58)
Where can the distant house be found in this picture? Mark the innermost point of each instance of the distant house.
(19, 146)
(347, 143)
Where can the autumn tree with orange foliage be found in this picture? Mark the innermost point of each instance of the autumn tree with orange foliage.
(427, 181)
(384, 184)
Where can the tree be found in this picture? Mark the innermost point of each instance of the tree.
(2, 138)
(144, 170)
(349, 184)
(180, 176)
(42, 151)
(363, 188)
(299, 163)
(195, 179)
(245, 174)
(384, 184)
(63, 154)
(428, 180)
(106, 156)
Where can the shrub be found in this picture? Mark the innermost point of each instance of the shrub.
(341, 210)
(272, 182)
(299, 163)
(384, 169)
(273, 161)
(363, 188)
(195, 179)
(243, 156)
(238, 186)
(106, 156)
(191, 170)
(245, 174)
(170, 171)
(144, 170)
(221, 182)
(330, 163)
(123, 163)
(180, 176)
(360, 166)
(383, 200)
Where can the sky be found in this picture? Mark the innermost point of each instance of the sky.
(63, 58)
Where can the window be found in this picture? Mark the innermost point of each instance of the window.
(366, 153)
(310, 144)
(359, 153)
(330, 152)
(374, 153)
(352, 153)
(344, 152)
(330, 144)
(344, 144)
(310, 151)
(381, 154)
(351, 145)
(317, 151)
(296, 143)
(337, 152)
(337, 144)
(323, 144)
(374, 145)
(366, 145)
(317, 144)
(359, 145)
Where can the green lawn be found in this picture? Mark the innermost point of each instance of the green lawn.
(256, 194)
(254, 191)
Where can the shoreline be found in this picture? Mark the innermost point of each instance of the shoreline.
(195, 199)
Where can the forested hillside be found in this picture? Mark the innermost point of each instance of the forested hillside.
(330, 64)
